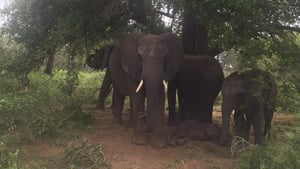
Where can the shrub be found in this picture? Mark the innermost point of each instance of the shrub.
(288, 98)
(45, 109)
(273, 155)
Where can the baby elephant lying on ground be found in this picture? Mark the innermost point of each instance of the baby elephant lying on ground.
(194, 130)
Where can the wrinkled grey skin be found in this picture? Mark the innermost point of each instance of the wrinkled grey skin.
(99, 61)
(151, 58)
(252, 95)
(195, 130)
(198, 84)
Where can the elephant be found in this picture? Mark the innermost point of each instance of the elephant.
(198, 84)
(99, 61)
(252, 95)
(141, 65)
(194, 130)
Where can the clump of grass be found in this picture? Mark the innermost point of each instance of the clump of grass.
(86, 155)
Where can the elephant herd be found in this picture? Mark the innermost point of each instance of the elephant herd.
(148, 67)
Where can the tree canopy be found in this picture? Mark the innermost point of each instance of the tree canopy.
(207, 27)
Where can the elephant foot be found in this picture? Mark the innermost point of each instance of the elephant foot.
(172, 122)
(131, 125)
(159, 140)
(172, 142)
(100, 106)
(117, 121)
(139, 138)
(178, 142)
(225, 141)
(182, 141)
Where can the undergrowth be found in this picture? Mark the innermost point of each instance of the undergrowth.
(273, 155)
(53, 106)
(48, 107)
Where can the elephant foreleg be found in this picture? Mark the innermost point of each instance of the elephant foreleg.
(172, 103)
(118, 106)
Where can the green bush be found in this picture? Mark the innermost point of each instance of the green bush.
(273, 155)
(49, 105)
(288, 98)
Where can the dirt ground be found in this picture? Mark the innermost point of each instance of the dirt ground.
(122, 154)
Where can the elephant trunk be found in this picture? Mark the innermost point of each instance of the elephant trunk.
(90, 61)
(227, 108)
(155, 94)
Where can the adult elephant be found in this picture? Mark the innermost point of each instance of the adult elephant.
(99, 61)
(140, 65)
(252, 96)
(198, 84)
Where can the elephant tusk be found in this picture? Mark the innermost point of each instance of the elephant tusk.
(165, 84)
(139, 86)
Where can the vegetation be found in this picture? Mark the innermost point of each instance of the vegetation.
(273, 155)
(49, 109)
(43, 44)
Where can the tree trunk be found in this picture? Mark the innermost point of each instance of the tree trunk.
(194, 34)
(49, 64)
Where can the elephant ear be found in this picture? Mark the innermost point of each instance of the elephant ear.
(174, 60)
(131, 63)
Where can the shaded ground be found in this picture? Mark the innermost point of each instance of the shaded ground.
(121, 154)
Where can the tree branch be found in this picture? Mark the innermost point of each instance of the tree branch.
(289, 28)
(165, 14)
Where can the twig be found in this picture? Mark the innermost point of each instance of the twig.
(239, 144)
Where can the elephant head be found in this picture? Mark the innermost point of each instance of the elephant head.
(100, 59)
(162, 53)
(233, 93)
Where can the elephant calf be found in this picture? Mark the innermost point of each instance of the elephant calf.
(194, 130)
(252, 95)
